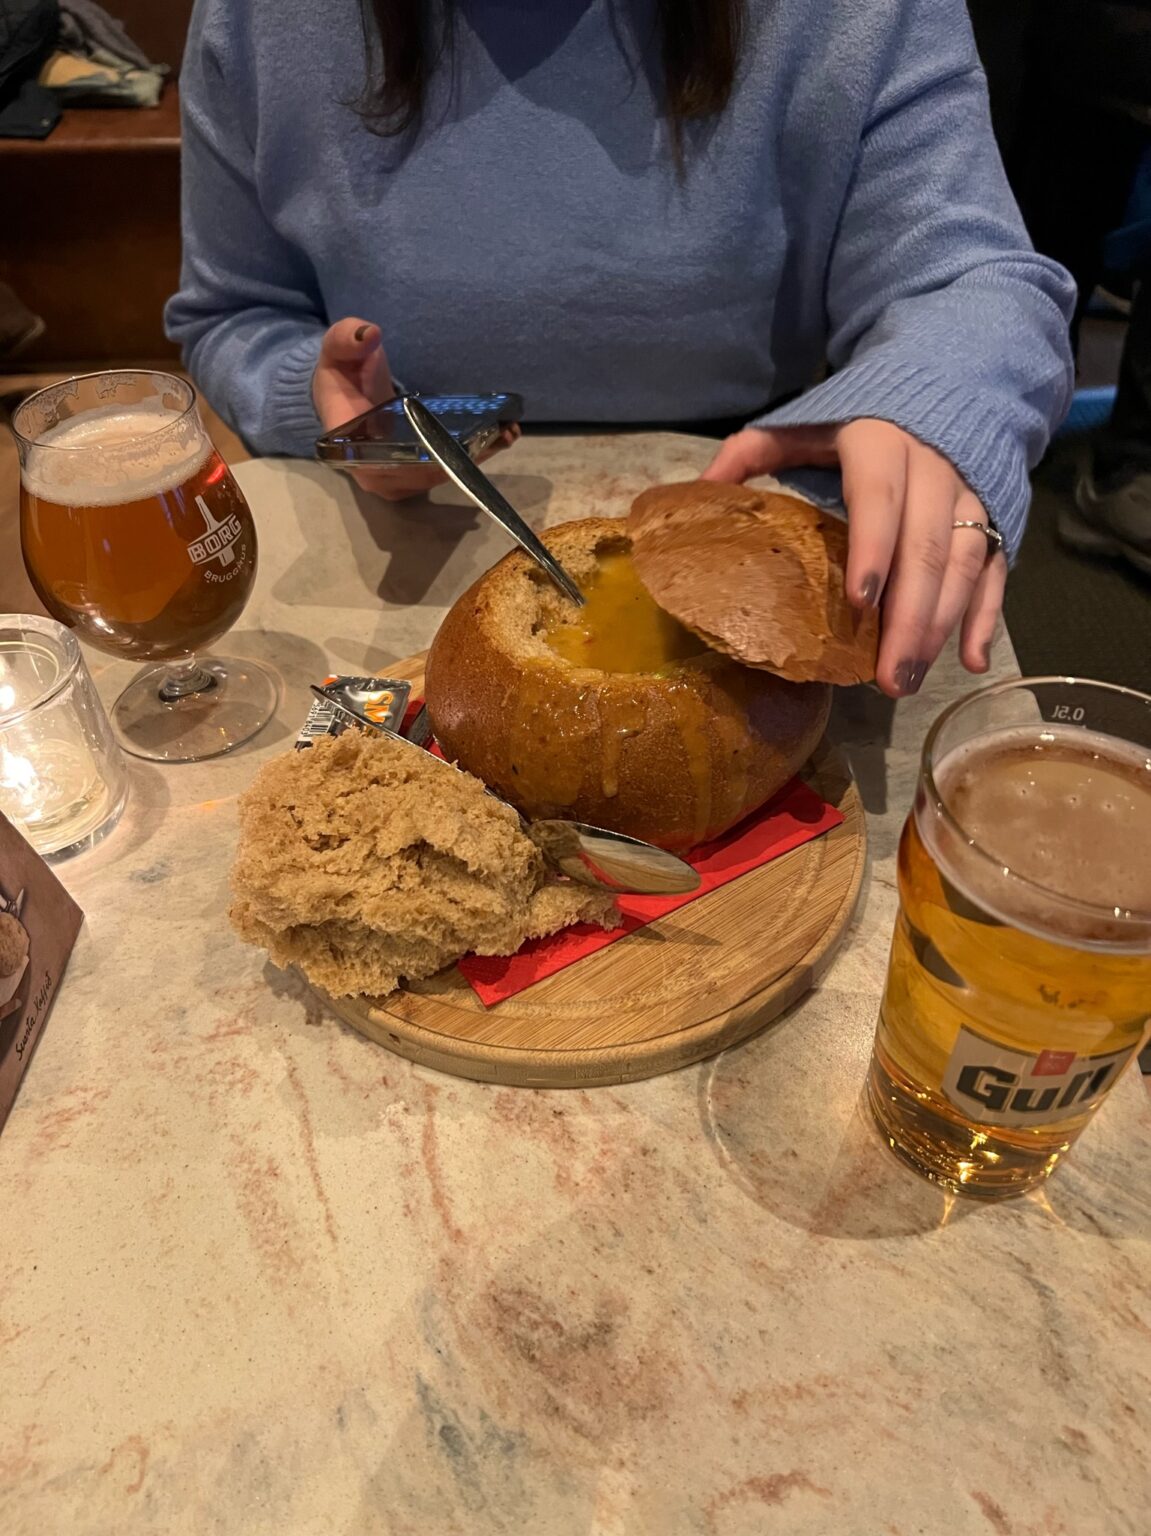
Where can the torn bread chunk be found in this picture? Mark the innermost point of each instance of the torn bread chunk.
(366, 864)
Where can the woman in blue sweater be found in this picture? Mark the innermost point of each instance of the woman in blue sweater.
(790, 213)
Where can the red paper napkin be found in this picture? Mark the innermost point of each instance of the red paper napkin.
(795, 816)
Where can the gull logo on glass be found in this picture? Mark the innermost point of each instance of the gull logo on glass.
(220, 535)
(996, 1086)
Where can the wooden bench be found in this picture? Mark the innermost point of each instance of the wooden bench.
(92, 215)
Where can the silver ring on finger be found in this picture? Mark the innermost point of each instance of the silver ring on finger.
(988, 530)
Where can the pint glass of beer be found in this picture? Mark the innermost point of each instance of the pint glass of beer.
(1019, 985)
(136, 535)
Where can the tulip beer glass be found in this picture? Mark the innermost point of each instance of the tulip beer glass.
(136, 535)
(1019, 984)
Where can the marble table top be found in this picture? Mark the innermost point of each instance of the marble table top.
(259, 1276)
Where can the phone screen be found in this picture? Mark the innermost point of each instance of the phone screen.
(384, 435)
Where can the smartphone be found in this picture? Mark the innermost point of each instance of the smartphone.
(384, 435)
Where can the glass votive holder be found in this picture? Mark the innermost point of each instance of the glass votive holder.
(62, 778)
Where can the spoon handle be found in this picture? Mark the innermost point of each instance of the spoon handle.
(470, 478)
(420, 730)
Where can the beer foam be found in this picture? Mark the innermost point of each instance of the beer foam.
(107, 455)
(1062, 808)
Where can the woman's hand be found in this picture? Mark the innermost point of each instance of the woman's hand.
(902, 499)
(351, 376)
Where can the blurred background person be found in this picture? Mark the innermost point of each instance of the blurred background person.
(1070, 84)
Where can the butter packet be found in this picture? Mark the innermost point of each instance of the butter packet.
(380, 700)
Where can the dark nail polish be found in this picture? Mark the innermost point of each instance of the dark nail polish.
(869, 590)
(986, 653)
(909, 675)
(360, 332)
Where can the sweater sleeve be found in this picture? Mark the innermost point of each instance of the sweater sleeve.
(941, 318)
(247, 314)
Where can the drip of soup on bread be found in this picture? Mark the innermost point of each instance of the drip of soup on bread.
(621, 628)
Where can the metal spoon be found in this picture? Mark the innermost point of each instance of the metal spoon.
(610, 861)
(607, 861)
(464, 472)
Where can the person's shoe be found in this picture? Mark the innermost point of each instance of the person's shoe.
(19, 327)
(1110, 523)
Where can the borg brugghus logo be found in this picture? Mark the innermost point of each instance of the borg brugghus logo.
(220, 534)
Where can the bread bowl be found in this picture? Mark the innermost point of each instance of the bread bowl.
(676, 752)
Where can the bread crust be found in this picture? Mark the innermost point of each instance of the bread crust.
(759, 575)
(674, 758)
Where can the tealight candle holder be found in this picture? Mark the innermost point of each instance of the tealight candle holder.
(62, 778)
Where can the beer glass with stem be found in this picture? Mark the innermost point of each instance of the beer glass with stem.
(136, 535)
(1019, 983)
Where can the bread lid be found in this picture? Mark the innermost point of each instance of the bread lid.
(759, 575)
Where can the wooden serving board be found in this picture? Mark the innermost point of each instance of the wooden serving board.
(685, 987)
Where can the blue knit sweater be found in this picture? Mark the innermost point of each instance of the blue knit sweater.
(843, 230)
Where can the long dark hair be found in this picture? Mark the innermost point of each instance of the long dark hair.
(405, 40)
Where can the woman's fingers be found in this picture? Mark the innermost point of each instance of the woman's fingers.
(399, 483)
(348, 341)
(873, 459)
(744, 455)
(762, 451)
(966, 564)
(982, 615)
(352, 373)
(902, 500)
(922, 557)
